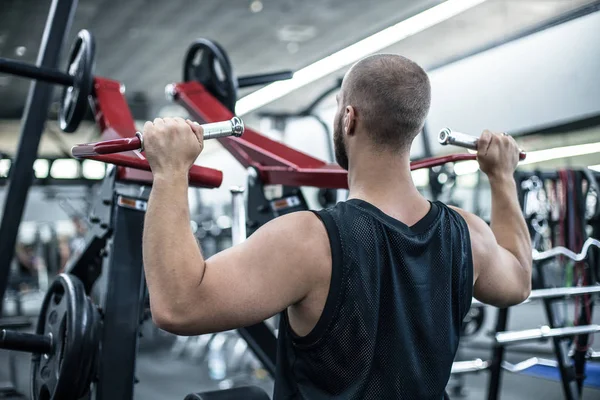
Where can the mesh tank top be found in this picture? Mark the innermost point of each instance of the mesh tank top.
(390, 325)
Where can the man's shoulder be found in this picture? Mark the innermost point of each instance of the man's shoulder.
(300, 230)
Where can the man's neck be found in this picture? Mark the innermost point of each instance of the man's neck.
(385, 181)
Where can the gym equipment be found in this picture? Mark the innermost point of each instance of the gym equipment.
(269, 162)
(273, 162)
(506, 338)
(110, 265)
(202, 60)
(233, 127)
(206, 62)
(561, 336)
(78, 81)
(560, 250)
(9, 388)
(65, 344)
(38, 103)
(71, 329)
(464, 367)
(309, 112)
(448, 136)
(111, 112)
(326, 196)
(553, 293)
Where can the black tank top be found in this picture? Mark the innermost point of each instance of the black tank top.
(390, 325)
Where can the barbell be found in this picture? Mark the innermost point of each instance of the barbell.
(78, 81)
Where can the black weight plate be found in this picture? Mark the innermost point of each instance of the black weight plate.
(74, 100)
(206, 62)
(68, 316)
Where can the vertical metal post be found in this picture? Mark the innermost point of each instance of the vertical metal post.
(497, 358)
(561, 350)
(238, 224)
(260, 338)
(34, 118)
(123, 302)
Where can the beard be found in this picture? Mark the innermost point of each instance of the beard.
(341, 155)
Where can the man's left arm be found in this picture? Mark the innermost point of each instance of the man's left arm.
(274, 268)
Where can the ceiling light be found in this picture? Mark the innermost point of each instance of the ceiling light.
(256, 6)
(4, 167)
(93, 169)
(561, 152)
(64, 168)
(41, 168)
(297, 33)
(355, 52)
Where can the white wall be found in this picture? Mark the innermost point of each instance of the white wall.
(541, 80)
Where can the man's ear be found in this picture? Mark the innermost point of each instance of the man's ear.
(349, 120)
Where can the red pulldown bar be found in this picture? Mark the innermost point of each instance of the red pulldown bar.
(275, 162)
(116, 123)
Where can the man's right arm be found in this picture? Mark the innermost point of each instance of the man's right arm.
(501, 251)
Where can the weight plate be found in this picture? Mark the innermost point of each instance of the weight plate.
(206, 62)
(72, 321)
(74, 100)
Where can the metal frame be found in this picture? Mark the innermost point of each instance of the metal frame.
(260, 338)
(309, 111)
(111, 270)
(552, 293)
(114, 118)
(269, 162)
(559, 336)
(57, 27)
(122, 303)
(274, 162)
(516, 337)
(571, 367)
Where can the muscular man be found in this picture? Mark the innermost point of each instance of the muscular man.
(373, 290)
